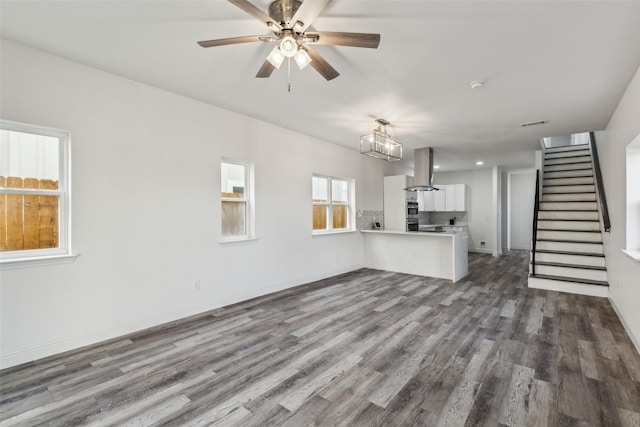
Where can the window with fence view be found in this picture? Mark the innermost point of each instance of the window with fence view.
(331, 203)
(235, 200)
(32, 190)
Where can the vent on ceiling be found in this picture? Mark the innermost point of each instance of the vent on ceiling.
(539, 122)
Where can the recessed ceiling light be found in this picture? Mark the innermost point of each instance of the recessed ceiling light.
(476, 84)
(479, 163)
(436, 166)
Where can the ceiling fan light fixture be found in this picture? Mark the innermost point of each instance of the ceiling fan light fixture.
(276, 58)
(302, 58)
(288, 46)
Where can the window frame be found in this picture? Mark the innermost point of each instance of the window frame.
(63, 193)
(350, 204)
(248, 200)
(632, 199)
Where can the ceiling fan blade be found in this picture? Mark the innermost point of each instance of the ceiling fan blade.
(232, 40)
(266, 70)
(321, 65)
(308, 12)
(256, 13)
(346, 39)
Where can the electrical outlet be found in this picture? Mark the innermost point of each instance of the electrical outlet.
(196, 285)
(483, 244)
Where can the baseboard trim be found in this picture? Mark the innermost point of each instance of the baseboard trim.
(634, 339)
(33, 353)
(481, 250)
(568, 287)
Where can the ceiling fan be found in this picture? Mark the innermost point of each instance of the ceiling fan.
(289, 21)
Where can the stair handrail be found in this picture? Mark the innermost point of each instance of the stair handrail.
(536, 207)
(602, 198)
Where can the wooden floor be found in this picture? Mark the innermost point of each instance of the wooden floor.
(365, 348)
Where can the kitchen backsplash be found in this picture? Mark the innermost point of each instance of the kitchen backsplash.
(442, 217)
(365, 219)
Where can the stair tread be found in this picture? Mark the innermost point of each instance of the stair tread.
(560, 264)
(548, 251)
(580, 220)
(570, 231)
(567, 210)
(576, 192)
(562, 148)
(565, 185)
(570, 279)
(584, 154)
(569, 241)
(568, 177)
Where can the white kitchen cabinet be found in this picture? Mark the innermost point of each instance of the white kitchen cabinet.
(449, 195)
(460, 197)
(395, 201)
(440, 198)
(450, 198)
(427, 201)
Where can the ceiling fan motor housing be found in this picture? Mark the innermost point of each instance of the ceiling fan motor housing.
(282, 11)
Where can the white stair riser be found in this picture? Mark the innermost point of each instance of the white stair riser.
(589, 248)
(572, 288)
(561, 154)
(595, 261)
(579, 159)
(569, 181)
(569, 225)
(570, 235)
(569, 189)
(568, 206)
(574, 197)
(568, 215)
(564, 148)
(574, 166)
(567, 174)
(576, 273)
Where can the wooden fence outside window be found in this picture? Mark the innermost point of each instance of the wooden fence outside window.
(28, 221)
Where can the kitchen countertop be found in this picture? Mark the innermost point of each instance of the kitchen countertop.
(416, 233)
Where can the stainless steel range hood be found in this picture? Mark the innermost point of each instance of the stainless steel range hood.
(423, 170)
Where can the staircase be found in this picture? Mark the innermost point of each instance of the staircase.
(569, 254)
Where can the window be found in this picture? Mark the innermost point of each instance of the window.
(633, 199)
(34, 192)
(332, 204)
(236, 200)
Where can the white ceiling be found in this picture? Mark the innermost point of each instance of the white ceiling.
(564, 61)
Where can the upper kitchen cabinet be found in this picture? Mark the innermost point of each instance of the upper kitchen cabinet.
(450, 198)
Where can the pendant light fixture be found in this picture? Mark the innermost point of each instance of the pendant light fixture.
(379, 143)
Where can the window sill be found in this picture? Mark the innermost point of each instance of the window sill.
(9, 264)
(332, 232)
(238, 239)
(632, 254)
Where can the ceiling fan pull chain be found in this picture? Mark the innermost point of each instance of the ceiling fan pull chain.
(289, 74)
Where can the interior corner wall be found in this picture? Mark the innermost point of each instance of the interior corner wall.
(623, 272)
(522, 189)
(146, 207)
(480, 211)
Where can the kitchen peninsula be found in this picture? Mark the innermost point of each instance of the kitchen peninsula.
(434, 254)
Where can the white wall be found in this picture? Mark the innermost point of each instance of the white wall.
(623, 271)
(522, 188)
(480, 210)
(146, 207)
